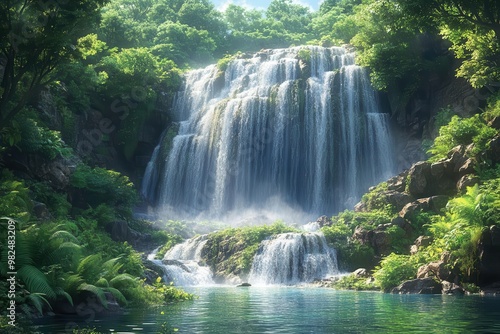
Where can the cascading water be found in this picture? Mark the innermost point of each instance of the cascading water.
(181, 264)
(293, 258)
(301, 125)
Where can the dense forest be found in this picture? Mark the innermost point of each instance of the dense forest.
(84, 97)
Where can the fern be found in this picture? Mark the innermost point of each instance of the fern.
(98, 292)
(90, 267)
(102, 283)
(38, 301)
(118, 295)
(35, 281)
(60, 292)
(65, 235)
(123, 280)
(111, 267)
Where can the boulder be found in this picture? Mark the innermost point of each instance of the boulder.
(120, 231)
(433, 203)
(466, 181)
(495, 123)
(397, 199)
(418, 286)
(398, 183)
(360, 207)
(152, 271)
(404, 224)
(244, 285)
(418, 178)
(467, 167)
(494, 150)
(56, 172)
(411, 209)
(436, 269)
(421, 241)
(489, 255)
(324, 221)
(449, 288)
(41, 212)
(361, 272)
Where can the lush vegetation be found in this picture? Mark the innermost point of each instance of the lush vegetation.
(80, 79)
(455, 232)
(240, 246)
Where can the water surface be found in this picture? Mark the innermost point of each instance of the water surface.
(302, 310)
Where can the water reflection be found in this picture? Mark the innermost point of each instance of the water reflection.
(305, 310)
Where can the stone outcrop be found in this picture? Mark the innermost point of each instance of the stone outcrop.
(422, 241)
(120, 231)
(489, 255)
(419, 286)
(430, 204)
(449, 288)
(378, 239)
(361, 272)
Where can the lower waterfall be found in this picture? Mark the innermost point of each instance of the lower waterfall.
(181, 264)
(293, 258)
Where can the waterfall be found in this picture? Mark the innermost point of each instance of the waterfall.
(293, 258)
(181, 264)
(300, 127)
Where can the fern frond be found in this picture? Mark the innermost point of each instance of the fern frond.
(118, 296)
(72, 282)
(65, 235)
(102, 283)
(98, 292)
(60, 292)
(90, 267)
(123, 281)
(38, 301)
(35, 281)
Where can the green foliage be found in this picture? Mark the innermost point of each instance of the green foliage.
(56, 202)
(170, 292)
(304, 54)
(351, 282)
(35, 40)
(458, 232)
(376, 200)
(102, 186)
(394, 269)
(36, 138)
(14, 197)
(242, 244)
(462, 131)
(443, 117)
(370, 219)
(493, 108)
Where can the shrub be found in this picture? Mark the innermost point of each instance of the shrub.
(99, 185)
(351, 282)
(14, 197)
(395, 269)
(461, 131)
(56, 202)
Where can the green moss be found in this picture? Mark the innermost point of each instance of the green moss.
(232, 250)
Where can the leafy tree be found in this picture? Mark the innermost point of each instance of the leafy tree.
(472, 27)
(37, 36)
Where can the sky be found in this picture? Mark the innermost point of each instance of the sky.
(262, 4)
